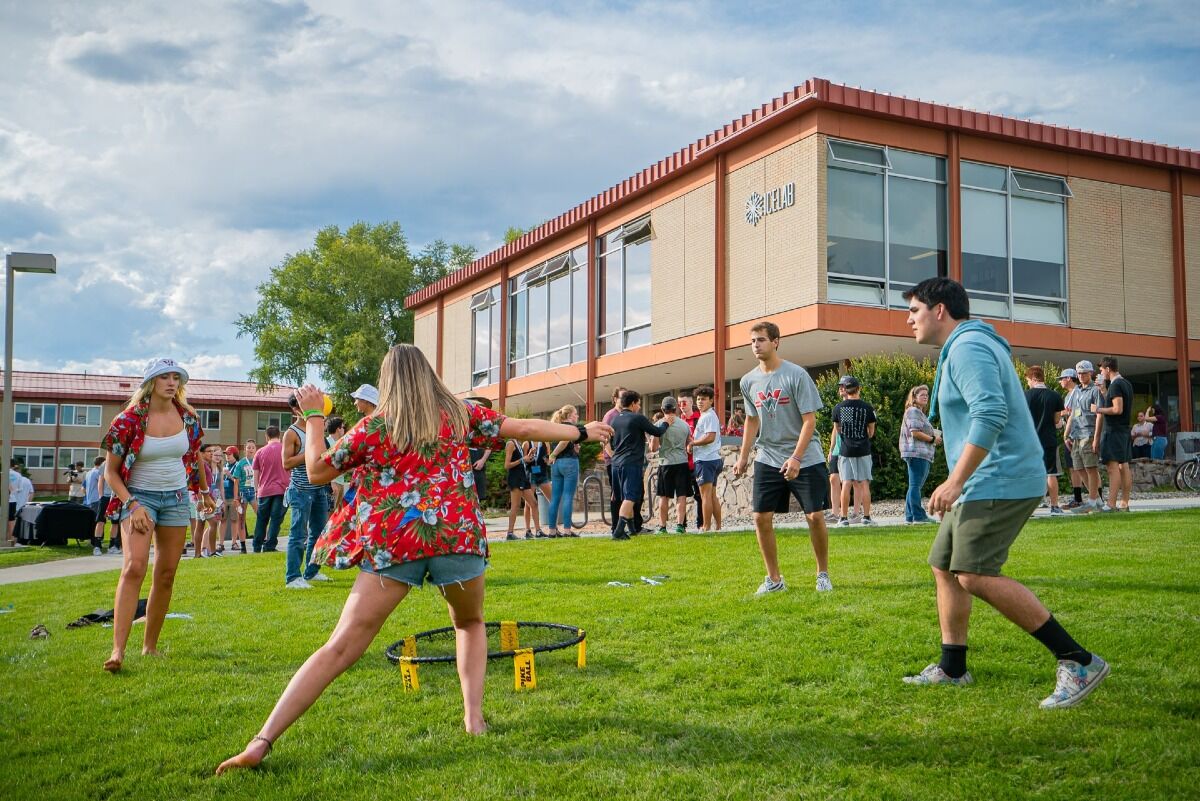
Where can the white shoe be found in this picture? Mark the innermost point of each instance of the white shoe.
(320, 577)
(823, 582)
(768, 586)
(114, 551)
(97, 552)
(298, 584)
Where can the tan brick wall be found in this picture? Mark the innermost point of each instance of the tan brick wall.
(1146, 248)
(819, 188)
(425, 336)
(778, 264)
(456, 332)
(682, 264)
(1191, 254)
(1094, 255)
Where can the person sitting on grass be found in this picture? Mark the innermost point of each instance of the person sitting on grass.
(416, 517)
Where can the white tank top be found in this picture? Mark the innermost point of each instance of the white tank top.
(159, 467)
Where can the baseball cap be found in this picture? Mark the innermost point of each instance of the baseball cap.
(849, 382)
(232, 450)
(158, 367)
(669, 404)
(1085, 367)
(479, 400)
(367, 393)
(1068, 373)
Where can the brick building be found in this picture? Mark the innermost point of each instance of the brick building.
(60, 418)
(818, 210)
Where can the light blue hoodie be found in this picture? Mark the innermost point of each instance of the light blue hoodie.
(979, 398)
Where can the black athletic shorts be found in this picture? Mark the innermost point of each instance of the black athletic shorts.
(12, 510)
(627, 481)
(832, 465)
(1050, 459)
(772, 492)
(518, 479)
(674, 481)
(1116, 445)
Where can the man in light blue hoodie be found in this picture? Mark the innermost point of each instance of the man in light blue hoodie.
(996, 481)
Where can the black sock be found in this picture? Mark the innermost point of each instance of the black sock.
(954, 660)
(623, 524)
(1062, 645)
(1078, 494)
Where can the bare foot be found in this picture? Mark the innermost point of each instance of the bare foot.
(148, 651)
(113, 663)
(476, 726)
(251, 757)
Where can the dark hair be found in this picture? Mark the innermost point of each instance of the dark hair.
(292, 402)
(1110, 362)
(949, 292)
(767, 327)
(617, 393)
(629, 397)
(272, 432)
(704, 392)
(99, 460)
(333, 424)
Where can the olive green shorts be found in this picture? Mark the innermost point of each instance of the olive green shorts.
(975, 536)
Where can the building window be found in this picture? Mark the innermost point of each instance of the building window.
(210, 419)
(548, 314)
(70, 456)
(35, 458)
(1014, 227)
(35, 414)
(886, 222)
(280, 420)
(485, 327)
(76, 415)
(624, 269)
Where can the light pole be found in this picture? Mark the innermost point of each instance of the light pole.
(14, 263)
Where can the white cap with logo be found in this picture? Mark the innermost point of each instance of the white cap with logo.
(158, 367)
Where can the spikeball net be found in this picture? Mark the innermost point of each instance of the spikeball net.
(509, 639)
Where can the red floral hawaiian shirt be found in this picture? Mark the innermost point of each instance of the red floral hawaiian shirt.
(127, 434)
(410, 504)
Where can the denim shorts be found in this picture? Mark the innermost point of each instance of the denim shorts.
(451, 568)
(169, 508)
(247, 494)
(707, 470)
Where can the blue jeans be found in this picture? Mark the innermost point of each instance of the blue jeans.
(1158, 448)
(918, 471)
(310, 509)
(564, 477)
(270, 510)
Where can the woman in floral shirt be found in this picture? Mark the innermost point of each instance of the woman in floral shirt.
(153, 452)
(416, 516)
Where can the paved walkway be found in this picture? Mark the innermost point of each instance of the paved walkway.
(98, 564)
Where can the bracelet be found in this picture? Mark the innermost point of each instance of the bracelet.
(129, 504)
(313, 413)
(583, 432)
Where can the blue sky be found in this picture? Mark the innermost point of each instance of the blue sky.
(171, 154)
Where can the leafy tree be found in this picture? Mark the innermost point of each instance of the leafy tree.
(514, 233)
(339, 306)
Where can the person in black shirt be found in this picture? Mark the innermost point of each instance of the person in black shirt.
(1116, 445)
(1045, 405)
(628, 444)
(854, 423)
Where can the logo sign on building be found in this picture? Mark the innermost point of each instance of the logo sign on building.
(759, 206)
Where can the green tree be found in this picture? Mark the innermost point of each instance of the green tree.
(339, 305)
(514, 233)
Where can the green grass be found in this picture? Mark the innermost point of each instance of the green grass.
(694, 689)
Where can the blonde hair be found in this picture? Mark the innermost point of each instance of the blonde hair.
(144, 392)
(911, 400)
(413, 400)
(562, 414)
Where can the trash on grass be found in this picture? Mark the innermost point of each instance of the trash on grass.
(618, 584)
(40, 632)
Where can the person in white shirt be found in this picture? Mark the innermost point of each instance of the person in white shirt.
(706, 453)
(14, 507)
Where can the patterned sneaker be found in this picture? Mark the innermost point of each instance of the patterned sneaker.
(844, 522)
(823, 582)
(511, 536)
(867, 521)
(830, 516)
(681, 529)
(1107, 508)
(318, 577)
(1074, 682)
(662, 530)
(933, 674)
(1056, 511)
(768, 586)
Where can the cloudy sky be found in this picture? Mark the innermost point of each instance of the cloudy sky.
(171, 153)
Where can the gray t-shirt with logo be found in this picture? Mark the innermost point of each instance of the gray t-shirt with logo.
(672, 449)
(780, 400)
(1083, 419)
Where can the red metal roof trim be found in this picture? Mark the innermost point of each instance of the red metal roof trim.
(820, 92)
(80, 386)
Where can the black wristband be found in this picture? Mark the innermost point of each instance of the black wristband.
(583, 432)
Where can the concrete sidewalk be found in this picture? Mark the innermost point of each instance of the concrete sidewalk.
(496, 529)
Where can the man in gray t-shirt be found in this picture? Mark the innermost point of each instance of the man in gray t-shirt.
(781, 406)
(674, 477)
(1081, 434)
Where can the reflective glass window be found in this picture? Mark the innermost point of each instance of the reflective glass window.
(1038, 247)
(984, 241)
(855, 223)
(916, 230)
(983, 176)
(637, 284)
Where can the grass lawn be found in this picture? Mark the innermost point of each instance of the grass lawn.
(693, 689)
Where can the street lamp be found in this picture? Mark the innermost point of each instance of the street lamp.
(14, 263)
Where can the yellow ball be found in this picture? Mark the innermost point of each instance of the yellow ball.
(328, 404)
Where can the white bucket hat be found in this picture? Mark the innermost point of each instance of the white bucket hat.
(158, 367)
(367, 393)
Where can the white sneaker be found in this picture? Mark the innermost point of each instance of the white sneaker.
(97, 552)
(867, 521)
(768, 586)
(823, 582)
(298, 584)
(1073, 682)
(319, 577)
(114, 551)
(843, 522)
(933, 674)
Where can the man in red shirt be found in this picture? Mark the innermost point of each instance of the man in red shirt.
(271, 482)
(690, 415)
